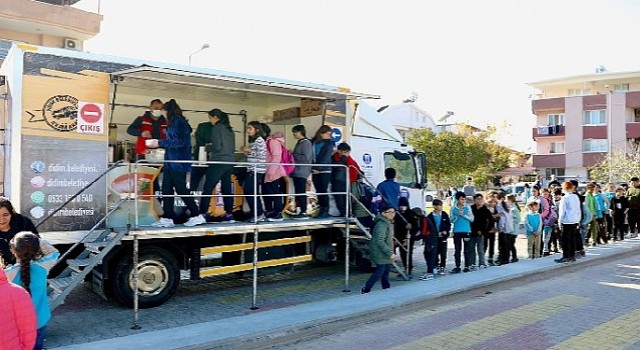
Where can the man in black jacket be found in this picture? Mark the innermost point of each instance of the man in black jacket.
(480, 228)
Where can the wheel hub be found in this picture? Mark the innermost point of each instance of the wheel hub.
(152, 278)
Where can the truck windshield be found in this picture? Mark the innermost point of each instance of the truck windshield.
(405, 168)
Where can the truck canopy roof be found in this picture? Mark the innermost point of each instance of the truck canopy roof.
(371, 124)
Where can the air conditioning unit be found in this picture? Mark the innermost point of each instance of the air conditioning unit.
(71, 44)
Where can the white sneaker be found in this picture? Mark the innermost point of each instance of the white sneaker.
(195, 220)
(163, 222)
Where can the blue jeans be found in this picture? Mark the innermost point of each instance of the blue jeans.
(41, 335)
(381, 273)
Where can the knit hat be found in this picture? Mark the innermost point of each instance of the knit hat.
(403, 202)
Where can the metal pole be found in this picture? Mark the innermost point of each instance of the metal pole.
(610, 132)
(135, 198)
(136, 311)
(347, 233)
(254, 299)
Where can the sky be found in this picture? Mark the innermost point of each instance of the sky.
(474, 58)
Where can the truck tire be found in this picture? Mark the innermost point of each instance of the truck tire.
(158, 278)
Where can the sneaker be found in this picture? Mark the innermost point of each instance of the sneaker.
(252, 220)
(228, 218)
(323, 216)
(484, 266)
(195, 220)
(441, 271)
(491, 262)
(466, 269)
(427, 277)
(455, 270)
(582, 253)
(363, 291)
(275, 217)
(302, 216)
(514, 260)
(163, 222)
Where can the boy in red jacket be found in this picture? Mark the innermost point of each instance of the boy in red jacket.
(339, 174)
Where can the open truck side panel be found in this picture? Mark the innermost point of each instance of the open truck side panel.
(61, 106)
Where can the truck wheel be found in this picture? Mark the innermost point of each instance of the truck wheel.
(158, 278)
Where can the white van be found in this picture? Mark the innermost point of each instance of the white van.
(518, 189)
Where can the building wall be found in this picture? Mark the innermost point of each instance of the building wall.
(573, 127)
(34, 39)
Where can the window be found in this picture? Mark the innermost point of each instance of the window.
(578, 92)
(597, 117)
(621, 87)
(594, 145)
(555, 119)
(556, 147)
(558, 172)
(405, 168)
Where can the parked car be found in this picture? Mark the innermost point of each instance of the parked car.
(518, 189)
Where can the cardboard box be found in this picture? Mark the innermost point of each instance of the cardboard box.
(289, 113)
(309, 108)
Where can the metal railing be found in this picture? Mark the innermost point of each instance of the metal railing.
(256, 196)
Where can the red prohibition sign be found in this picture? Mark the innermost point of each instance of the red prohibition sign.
(91, 113)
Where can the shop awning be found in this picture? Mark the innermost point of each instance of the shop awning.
(237, 82)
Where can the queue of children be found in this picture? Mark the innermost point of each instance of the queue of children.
(554, 219)
(273, 178)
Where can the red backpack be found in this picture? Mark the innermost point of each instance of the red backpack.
(286, 159)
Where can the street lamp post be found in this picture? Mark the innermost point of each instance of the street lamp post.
(204, 47)
(609, 131)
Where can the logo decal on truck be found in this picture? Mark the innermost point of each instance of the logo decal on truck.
(60, 112)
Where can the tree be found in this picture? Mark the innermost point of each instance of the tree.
(620, 166)
(451, 157)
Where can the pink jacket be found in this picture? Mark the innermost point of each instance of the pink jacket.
(275, 143)
(17, 316)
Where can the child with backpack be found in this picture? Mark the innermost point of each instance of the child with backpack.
(275, 177)
(35, 257)
(533, 224)
(442, 224)
(548, 221)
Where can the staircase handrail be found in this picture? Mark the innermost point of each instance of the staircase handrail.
(51, 214)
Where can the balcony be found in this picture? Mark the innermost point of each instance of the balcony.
(42, 18)
(551, 130)
(549, 160)
(633, 130)
(548, 104)
(594, 132)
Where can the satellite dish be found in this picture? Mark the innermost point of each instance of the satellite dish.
(412, 98)
(446, 116)
(600, 69)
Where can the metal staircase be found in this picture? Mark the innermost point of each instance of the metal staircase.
(361, 243)
(95, 248)
(79, 267)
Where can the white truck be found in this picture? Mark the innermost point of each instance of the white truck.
(67, 167)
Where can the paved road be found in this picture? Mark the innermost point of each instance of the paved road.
(86, 317)
(592, 308)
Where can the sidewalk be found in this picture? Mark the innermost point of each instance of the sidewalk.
(286, 323)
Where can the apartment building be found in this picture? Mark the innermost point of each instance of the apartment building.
(53, 23)
(579, 119)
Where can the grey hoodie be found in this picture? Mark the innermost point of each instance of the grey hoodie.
(303, 154)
